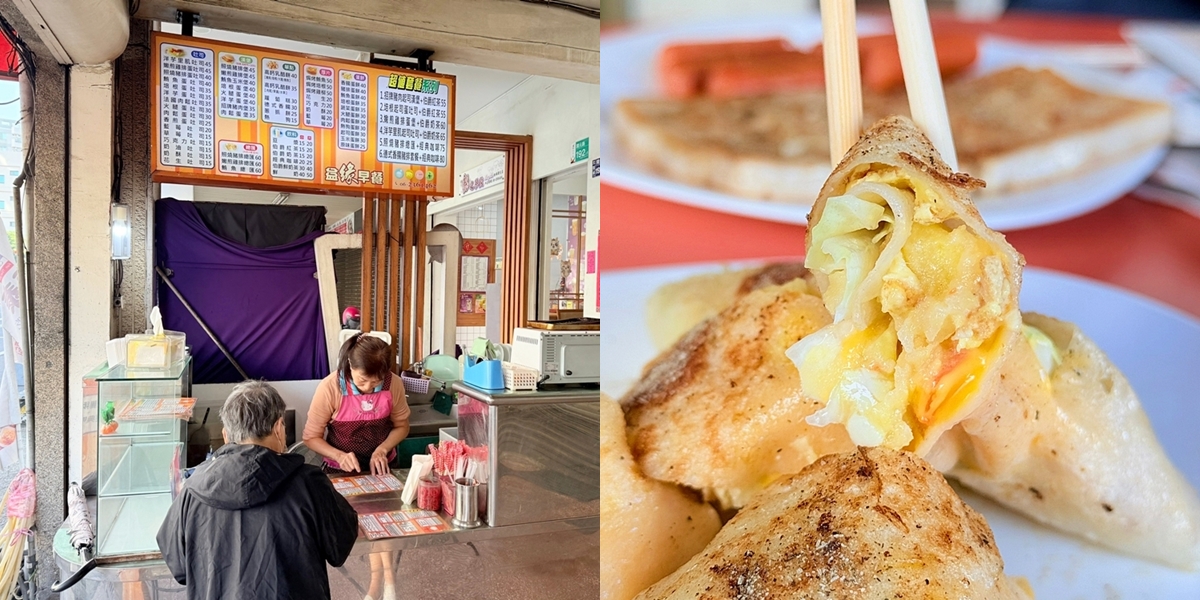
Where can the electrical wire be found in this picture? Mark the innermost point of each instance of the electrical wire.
(21, 60)
(583, 10)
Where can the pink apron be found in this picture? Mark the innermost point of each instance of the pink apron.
(361, 424)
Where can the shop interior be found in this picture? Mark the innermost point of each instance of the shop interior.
(255, 279)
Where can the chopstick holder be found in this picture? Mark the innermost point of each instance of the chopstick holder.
(843, 79)
(922, 79)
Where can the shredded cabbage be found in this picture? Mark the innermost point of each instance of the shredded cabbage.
(1047, 353)
(849, 228)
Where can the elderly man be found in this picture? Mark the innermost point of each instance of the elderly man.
(253, 522)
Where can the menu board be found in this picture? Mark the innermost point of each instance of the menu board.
(230, 114)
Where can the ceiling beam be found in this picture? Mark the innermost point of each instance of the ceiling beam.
(500, 34)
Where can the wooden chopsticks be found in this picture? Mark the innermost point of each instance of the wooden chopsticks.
(922, 78)
(843, 79)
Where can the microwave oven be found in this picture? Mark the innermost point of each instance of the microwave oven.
(561, 357)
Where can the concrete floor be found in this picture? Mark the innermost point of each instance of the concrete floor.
(542, 567)
(563, 565)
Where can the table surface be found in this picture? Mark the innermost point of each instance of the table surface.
(564, 395)
(1150, 249)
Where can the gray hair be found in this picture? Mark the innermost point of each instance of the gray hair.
(251, 411)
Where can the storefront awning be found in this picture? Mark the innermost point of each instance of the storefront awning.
(11, 61)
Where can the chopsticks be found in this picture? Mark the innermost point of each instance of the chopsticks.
(922, 79)
(843, 79)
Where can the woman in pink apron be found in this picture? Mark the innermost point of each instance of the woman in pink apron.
(357, 418)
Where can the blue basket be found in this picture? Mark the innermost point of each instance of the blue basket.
(483, 374)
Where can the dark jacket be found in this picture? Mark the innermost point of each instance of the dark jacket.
(252, 524)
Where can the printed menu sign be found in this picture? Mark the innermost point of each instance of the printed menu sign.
(239, 157)
(414, 116)
(352, 118)
(232, 114)
(281, 92)
(292, 153)
(185, 96)
(318, 96)
(238, 87)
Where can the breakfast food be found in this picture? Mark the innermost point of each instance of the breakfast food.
(773, 148)
(1016, 128)
(677, 307)
(870, 523)
(923, 349)
(927, 336)
(1070, 446)
(647, 528)
(923, 294)
(720, 412)
(728, 69)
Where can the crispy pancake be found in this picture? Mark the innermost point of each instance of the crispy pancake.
(676, 307)
(872, 523)
(721, 411)
(1017, 128)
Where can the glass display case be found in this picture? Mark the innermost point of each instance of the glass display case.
(141, 418)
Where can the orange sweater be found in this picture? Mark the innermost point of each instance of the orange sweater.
(328, 399)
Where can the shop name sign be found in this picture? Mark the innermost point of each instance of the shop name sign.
(486, 175)
(230, 114)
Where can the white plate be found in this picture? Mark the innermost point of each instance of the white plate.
(626, 68)
(1155, 346)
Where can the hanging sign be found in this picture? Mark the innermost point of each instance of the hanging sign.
(229, 114)
(486, 175)
(476, 271)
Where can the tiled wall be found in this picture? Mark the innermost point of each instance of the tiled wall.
(477, 223)
(481, 222)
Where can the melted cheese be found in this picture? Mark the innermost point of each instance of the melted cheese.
(957, 385)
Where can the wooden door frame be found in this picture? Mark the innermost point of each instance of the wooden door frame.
(518, 184)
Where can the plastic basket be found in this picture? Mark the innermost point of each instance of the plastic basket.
(415, 384)
(519, 378)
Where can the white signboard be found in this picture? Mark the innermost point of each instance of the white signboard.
(474, 274)
(486, 175)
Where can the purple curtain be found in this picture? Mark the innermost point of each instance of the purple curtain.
(262, 303)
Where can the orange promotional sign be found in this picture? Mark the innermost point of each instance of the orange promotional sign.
(235, 115)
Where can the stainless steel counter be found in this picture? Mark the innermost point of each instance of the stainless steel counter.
(543, 451)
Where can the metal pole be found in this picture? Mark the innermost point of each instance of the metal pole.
(203, 325)
(26, 310)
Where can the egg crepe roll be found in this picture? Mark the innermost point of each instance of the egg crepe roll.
(870, 523)
(923, 294)
(927, 351)
(1070, 446)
